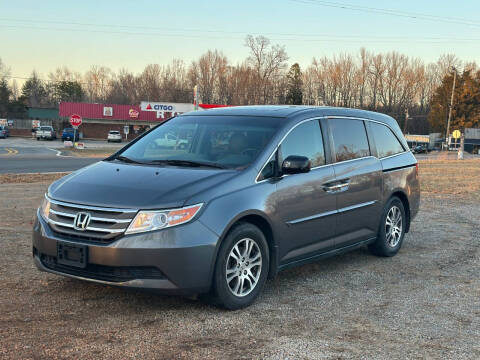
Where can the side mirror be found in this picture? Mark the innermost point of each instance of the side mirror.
(295, 164)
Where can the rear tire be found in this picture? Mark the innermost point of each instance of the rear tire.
(391, 231)
(242, 267)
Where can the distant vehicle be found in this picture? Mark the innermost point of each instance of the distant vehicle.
(68, 134)
(46, 132)
(170, 140)
(4, 132)
(114, 136)
(420, 149)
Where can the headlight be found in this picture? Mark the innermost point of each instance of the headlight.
(45, 208)
(155, 220)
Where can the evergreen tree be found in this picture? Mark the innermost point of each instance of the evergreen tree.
(466, 103)
(4, 98)
(295, 83)
(34, 92)
(68, 91)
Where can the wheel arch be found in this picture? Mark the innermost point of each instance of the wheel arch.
(261, 221)
(406, 205)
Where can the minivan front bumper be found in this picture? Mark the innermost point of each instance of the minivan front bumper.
(177, 260)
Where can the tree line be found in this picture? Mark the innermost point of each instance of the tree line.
(391, 82)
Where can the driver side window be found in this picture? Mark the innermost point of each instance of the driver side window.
(305, 140)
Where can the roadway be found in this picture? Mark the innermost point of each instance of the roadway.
(20, 155)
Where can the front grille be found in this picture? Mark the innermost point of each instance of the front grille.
(105, 223)
(104, 273)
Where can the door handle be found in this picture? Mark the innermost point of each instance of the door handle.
(337, 187)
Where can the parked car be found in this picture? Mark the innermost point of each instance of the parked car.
(69, 133)
(420, 149)
(4, 132)
(46, 132)
(171, 140)
(294, 185)
(114, 136)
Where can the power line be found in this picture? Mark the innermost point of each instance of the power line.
(320, 37)
(392, 12)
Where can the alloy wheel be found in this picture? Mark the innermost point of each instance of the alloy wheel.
(243, 268)
(393, 226)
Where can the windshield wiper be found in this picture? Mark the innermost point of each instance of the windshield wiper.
(127, 160)
(187, 163)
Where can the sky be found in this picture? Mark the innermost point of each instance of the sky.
(44, 35)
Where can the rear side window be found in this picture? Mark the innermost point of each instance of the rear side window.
(386, 142)
(349, 139)
(305, 140)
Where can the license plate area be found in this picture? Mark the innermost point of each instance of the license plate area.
(72, 255)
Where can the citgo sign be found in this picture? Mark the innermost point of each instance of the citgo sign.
(166, 107)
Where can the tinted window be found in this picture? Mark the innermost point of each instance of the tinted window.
(386, 142)
(268, 170)
(305, 140)
(349, 139)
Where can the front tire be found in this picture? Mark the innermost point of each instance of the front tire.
(242, 267)
(391, 230)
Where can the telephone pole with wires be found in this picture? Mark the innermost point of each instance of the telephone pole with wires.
(447, 134)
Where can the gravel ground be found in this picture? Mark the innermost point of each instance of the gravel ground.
(423, 303)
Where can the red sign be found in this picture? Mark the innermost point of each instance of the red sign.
(75, 120)
(133, 113)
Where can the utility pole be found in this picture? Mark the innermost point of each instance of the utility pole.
(406, 121)
(447, 135)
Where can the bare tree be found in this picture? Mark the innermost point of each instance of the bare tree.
(97, 83)
(267, 61)
(209, 73)
(123, 88)
(149, 83)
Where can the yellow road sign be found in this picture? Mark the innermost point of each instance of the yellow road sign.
(456, 134)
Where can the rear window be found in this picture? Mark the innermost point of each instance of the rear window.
(349, 138)
(45, 128)
(114, 132)
(386, 142)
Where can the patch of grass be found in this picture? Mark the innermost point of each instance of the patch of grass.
(90, 153)
(450, 177)
(30, 178)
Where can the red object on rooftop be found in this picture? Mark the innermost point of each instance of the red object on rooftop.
(212, 106)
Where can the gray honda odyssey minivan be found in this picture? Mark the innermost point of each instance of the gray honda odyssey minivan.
(218, 201)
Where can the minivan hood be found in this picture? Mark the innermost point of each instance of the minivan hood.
(114, 184)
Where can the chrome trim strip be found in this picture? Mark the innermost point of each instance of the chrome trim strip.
(62, 214)
(356, 206)
(350, 160)
(78, 206)
(391, 156)
(328, 117)
(313, 217)
(333, 212)
(89, 228)
(93, 218)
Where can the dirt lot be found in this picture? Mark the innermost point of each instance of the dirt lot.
(423, 303)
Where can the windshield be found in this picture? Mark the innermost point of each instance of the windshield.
(45, 128)
(226, 141)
